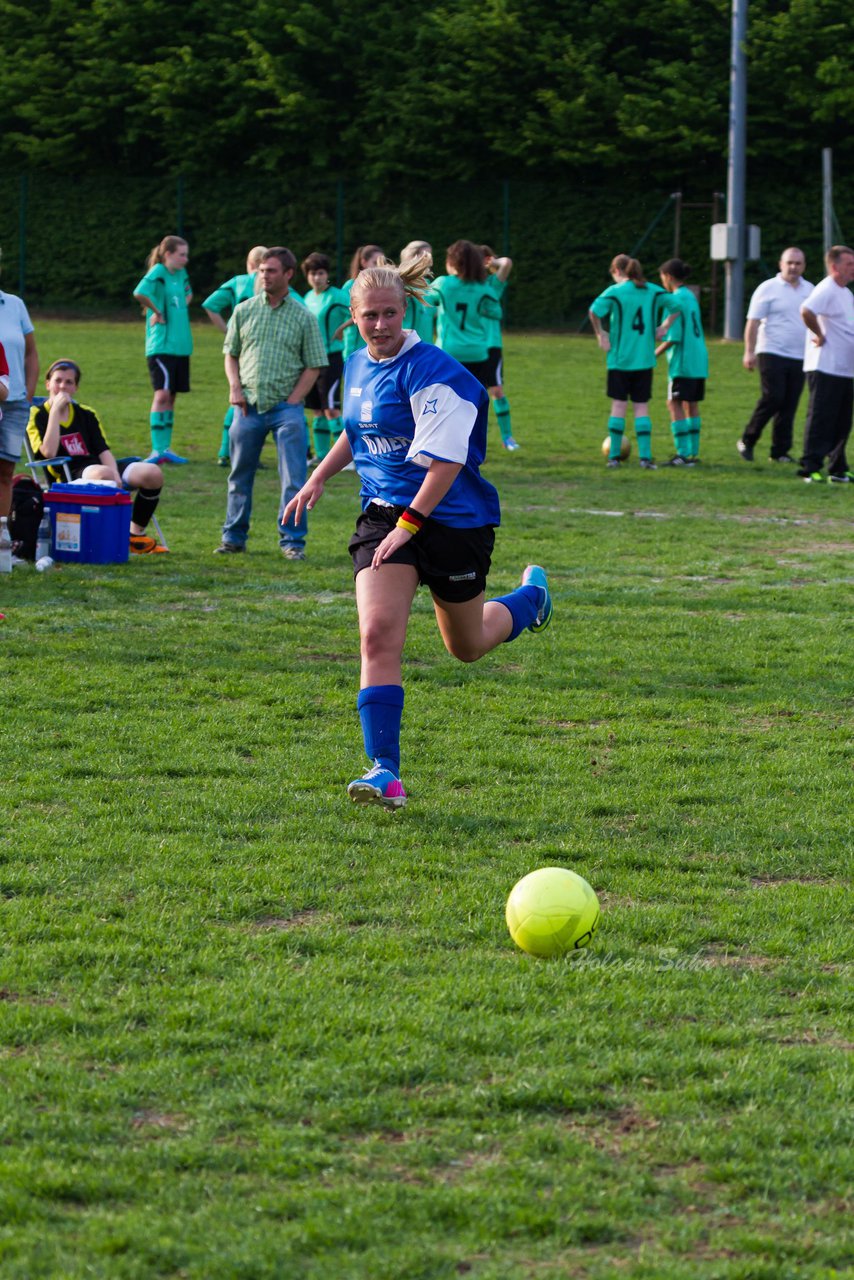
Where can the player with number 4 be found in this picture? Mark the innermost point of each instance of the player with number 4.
(631, 306)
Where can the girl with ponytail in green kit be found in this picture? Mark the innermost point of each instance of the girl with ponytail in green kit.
(164, 294)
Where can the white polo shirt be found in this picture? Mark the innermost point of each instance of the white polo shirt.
(833, 304)
(778, 305)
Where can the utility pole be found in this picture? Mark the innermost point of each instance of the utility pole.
(736, 172)
(826, 199)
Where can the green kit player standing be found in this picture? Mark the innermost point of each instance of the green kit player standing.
(225, 299)
(466, 307)
(420, 313)
(497, 272)
(688, 361)
(367, 255)
(630, 305)
(165, 292)
(330, 308)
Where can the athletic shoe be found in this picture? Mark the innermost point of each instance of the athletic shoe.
(143, 545)
(784, 457)
(814, 477)
(647, 464)
(229, 549)
(535, 576)
(746, 450)
(223, 461)
(678, 461)
(845, 478)
(511, 445)
(175, 458)
(155, 457)
(378, 786)
(613, 463)
(293, 553)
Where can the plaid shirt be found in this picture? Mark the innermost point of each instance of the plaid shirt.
(273, 345)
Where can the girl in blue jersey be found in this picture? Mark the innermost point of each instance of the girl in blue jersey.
(415, 425)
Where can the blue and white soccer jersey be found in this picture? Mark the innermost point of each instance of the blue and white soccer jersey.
(402, 414)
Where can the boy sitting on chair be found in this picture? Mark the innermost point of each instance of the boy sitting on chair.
(62, 427)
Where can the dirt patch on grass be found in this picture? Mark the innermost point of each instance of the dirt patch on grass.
(773, 882)
(170, 1122)
(296, 921)
(717, 958)
(611, 1131)
(825, 1042)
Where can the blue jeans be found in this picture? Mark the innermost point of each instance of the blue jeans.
(246, 437)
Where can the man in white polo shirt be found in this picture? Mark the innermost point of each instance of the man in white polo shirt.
(828, 313)
(774, 340)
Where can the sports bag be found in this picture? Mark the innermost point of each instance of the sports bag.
(25, 516)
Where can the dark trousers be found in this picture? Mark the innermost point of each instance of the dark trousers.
(828, 422)
(782, 381)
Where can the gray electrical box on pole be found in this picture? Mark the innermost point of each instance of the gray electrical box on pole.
(736, 172)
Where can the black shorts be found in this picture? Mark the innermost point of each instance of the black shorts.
(169, 373)
(453, 563)
(480, 370)
(495, 367)
(326, 392)
(691, 389)
(629, 384)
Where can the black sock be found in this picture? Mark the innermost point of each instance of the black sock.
(144, 506)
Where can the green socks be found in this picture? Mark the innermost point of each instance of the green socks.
(322, 437)
(161, 431)
(643, 431)
(681, 428)
(616, 427)
(694, 443)
(502, 412)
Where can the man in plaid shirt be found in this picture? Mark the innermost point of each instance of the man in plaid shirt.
(273, 354)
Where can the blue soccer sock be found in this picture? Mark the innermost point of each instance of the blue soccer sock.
(616, 427)
(643, 431)
(523, 605)
(381, 711)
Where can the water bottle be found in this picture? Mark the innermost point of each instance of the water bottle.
(5, 546)
(43, 539)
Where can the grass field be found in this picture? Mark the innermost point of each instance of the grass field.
(249, 1031)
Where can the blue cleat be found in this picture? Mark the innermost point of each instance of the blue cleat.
(378, 786)
(535, 576)
(175, 458)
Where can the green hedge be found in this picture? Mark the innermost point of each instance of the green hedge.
(86, 239)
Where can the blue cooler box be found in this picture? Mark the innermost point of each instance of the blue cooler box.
(89, 523)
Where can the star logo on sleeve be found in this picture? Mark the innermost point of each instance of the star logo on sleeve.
(430, 406)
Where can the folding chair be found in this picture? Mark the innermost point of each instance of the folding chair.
(38, 466)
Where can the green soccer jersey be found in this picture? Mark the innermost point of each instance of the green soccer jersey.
(421, 316)
(632, 313)
(688, 357)
(227, 296)
(353, 340)
(497, 287)
(465, 310)
(169, 291)
(330, 309)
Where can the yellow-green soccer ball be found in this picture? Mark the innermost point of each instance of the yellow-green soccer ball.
(552, 911)
(625, 448)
